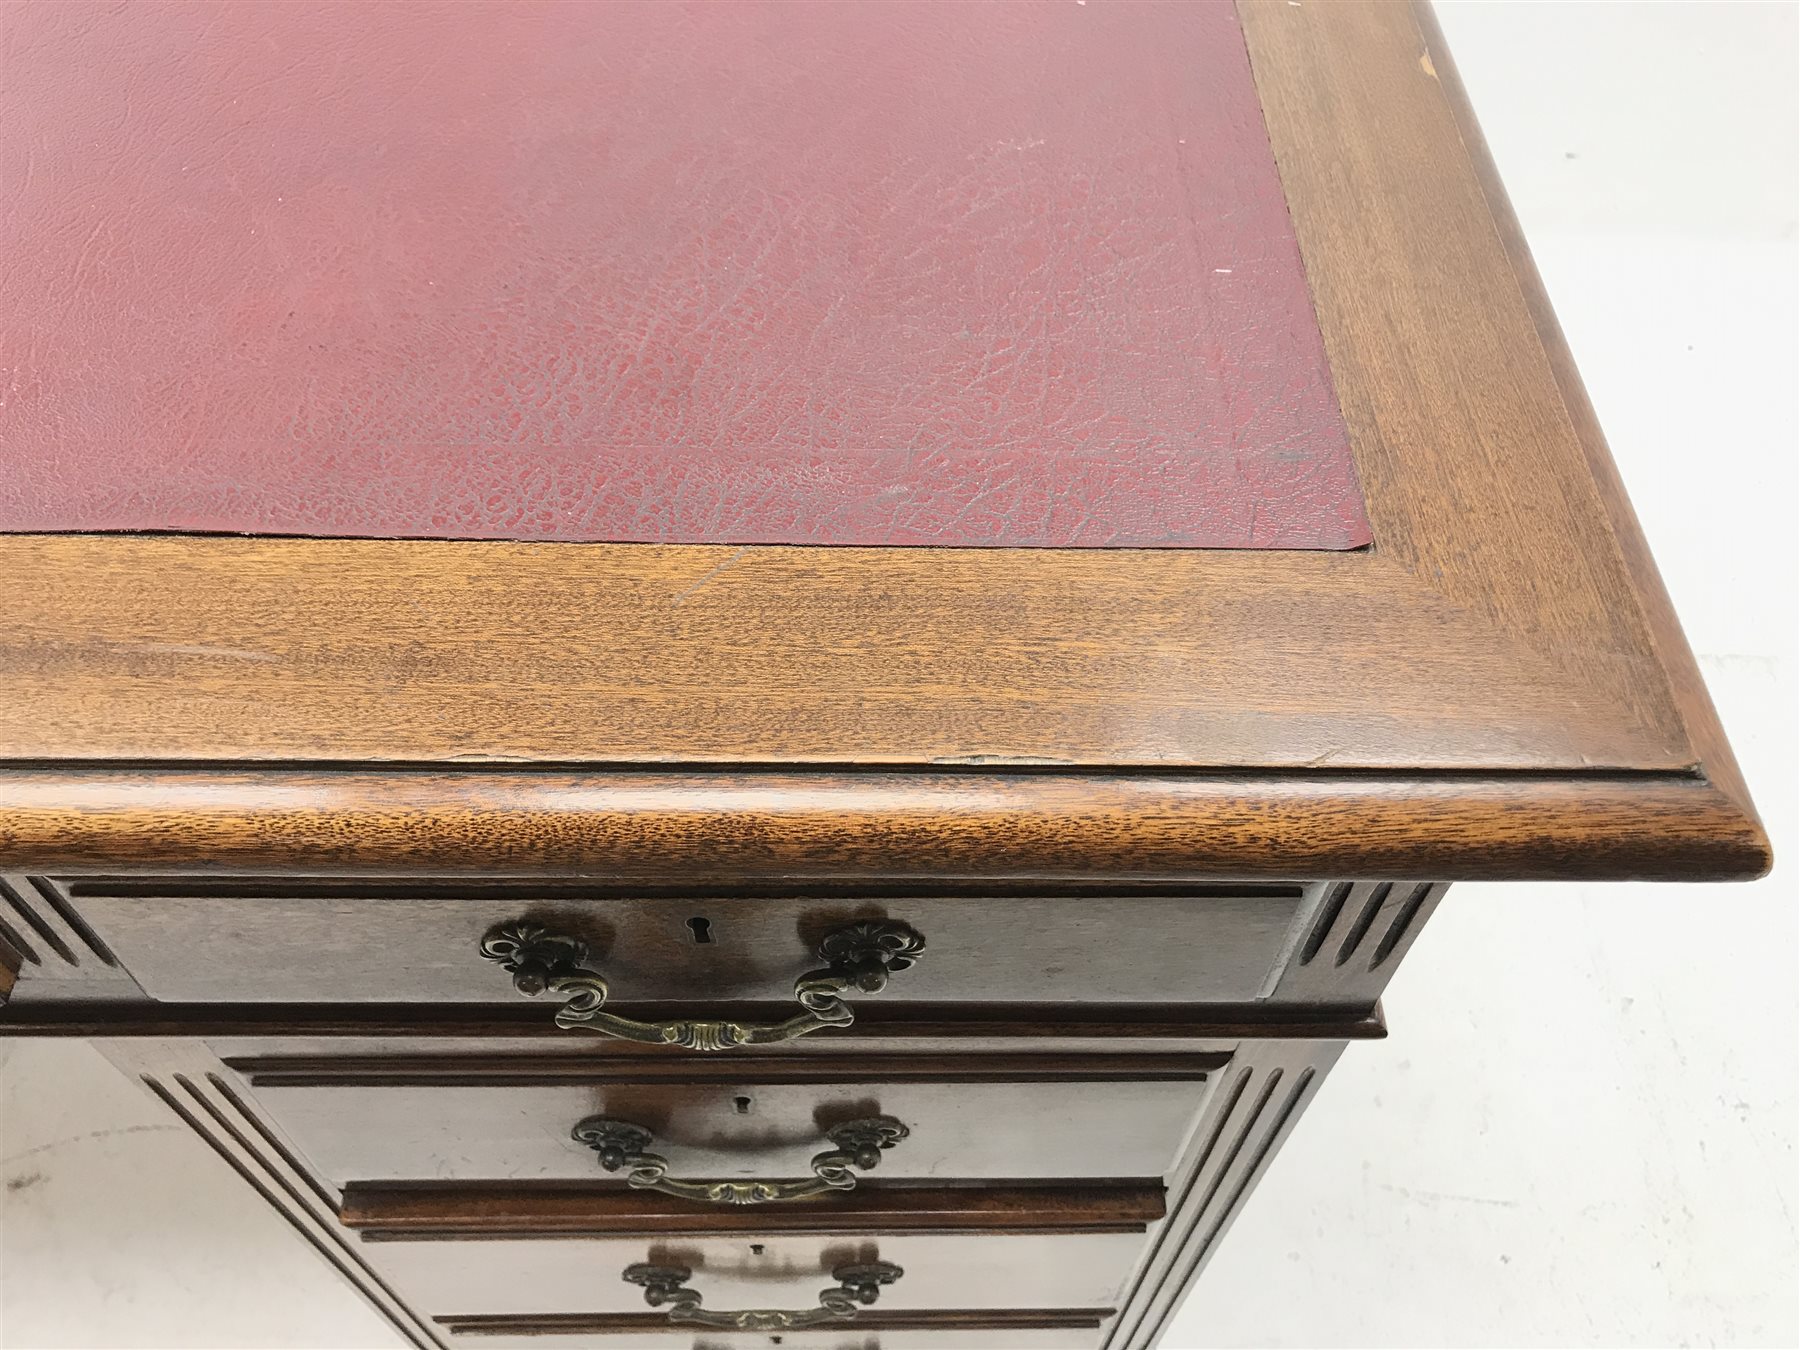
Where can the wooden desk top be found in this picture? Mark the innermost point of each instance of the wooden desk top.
(1496, 686)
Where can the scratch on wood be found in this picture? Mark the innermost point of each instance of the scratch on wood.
(203, 649)
(964, 761)
(683, 595)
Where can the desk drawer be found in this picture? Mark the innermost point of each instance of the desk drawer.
(526, 1259)
(964, 1117)
(343, 942)
(586, 1276)
(1048, 1329)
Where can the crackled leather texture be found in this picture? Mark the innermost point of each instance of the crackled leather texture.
(821, 273)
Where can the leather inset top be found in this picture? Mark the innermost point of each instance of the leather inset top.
(809, 273)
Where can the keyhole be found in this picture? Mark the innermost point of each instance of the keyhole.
(701, 929)
(742, 1104)
(756, 1249)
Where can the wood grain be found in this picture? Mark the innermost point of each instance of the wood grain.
(964, 1127)
(878, 1029)
(932, 1329)
(1694, 704)
(874, 827)
(177, 649)
(454, 1068)
(1112, 949)
(760, 1269)
(520, 1209)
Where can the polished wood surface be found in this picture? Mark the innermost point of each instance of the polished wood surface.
(969, 1059)
(859, 829)
(1101, 949)
(1698, 716)
(761, 1270)
(174, 649)
(1019, 1329)
(395, 1028)
(991, 1122)
(1496, 624)
(522, 1209)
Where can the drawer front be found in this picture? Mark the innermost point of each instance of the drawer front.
(967, 1333)
(189, 945)
(942, 1272)
(1084, 1122)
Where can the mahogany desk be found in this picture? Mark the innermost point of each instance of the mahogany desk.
(706, 676)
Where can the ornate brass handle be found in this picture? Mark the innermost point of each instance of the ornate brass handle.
(622, 1145)
(859, 1284)
(859, 957)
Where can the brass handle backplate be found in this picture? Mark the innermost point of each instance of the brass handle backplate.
(857, 1286)
(624, 1146)
(858, 958)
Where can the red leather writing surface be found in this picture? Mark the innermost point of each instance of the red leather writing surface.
(911, 273)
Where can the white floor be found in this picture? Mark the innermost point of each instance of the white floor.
(1581, 1131)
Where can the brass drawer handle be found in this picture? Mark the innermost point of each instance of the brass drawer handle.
(858, 1284)
(858, 1144)
(859, 957)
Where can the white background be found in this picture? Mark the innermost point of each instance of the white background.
(1581, 1130)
